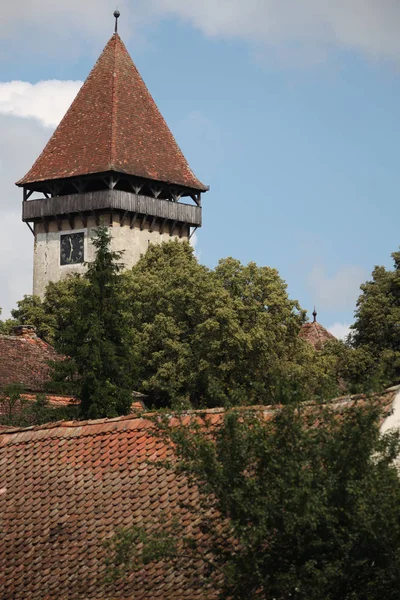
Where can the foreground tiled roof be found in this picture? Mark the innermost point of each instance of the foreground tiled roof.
(67, 487)
(24, 360)
(315, 334)
(113, 125)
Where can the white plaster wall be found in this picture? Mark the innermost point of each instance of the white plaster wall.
(392, 421)
(134, 243)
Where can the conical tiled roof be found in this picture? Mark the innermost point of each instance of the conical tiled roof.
(315, 334)
(113, 125)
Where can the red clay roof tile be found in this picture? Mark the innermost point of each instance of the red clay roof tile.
(54, 525)
(315, 334)
(67, 487)
(113, 125)
(25, 360)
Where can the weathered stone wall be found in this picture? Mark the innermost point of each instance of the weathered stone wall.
(134, 243)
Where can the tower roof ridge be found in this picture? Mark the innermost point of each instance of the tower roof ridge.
(113, 124)
(115, 38)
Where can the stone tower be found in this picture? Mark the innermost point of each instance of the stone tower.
(111, 160)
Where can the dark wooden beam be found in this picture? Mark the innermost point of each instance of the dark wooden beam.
(156, 191)
(171, 228)
(196, 198)
(45, 225)
(191, 234)
(50, 190)
(84, 219)
(151, 226)
(123, 217)
(27, 194)
(71, 221)
(181, 228)
(112, 182)
(133, 220)
(176, 194)
(162, 226)
(55, 188)
(137, 187)
(79, 185)
(30, 227)
(59, 223)
(143, 221)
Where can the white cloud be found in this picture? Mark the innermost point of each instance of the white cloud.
(312, 26)
(46, 101)
(45, 24)
(340, 330)
(28, 114)
(21, 142)
(338, 291)
(292, 27)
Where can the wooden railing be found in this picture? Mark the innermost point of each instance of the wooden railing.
(116, 200)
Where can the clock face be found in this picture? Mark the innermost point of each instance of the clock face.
(71, 248)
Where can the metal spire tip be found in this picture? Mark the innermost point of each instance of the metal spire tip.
(315, 315)
(116, 15)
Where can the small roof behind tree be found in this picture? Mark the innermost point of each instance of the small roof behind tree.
(315, 334)
(113, 125)
(24, 359)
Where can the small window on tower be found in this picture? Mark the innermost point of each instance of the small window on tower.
(72, 248)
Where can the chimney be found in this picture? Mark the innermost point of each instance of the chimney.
(25, 331)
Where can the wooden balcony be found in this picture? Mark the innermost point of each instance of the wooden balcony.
(110, 200)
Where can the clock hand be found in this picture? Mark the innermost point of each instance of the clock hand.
(70, 244)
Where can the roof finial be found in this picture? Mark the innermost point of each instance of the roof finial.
(314, 315)
(116, 15)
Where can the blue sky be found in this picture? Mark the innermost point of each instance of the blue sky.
(296, 135)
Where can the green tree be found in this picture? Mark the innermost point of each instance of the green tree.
(185, 327)
(52, 314)
(377, 323)
(287, 509)
(372, 356)
(97, 337)
(6, 326)
(357, 369)
(202, 337)
(275, 364)
(222, 337)
(18, 409)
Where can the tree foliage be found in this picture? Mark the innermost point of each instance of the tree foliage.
(93, 331)
(218, 337)
(53, 314)
(6, 326)
(377, 323)
(18, 409)
(198, 337)
(371, 358)
(289, 509)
